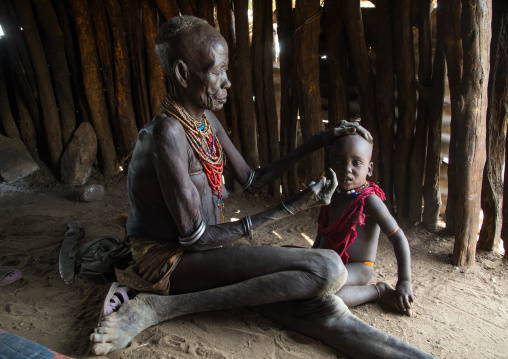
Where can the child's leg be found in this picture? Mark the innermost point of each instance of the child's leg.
(357, 290)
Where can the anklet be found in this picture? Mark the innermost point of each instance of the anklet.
(378, 293)
(247, 227)
(355, 191)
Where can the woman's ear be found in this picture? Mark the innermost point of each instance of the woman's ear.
(181, 73)
(371, 167)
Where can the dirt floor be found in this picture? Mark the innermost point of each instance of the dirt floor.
(460, 313)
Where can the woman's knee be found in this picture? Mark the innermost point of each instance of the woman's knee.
(331, 269)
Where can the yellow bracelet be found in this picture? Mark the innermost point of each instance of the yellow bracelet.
(393, 232)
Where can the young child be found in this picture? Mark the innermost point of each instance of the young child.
(350, 225)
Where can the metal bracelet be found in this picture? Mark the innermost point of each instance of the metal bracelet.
(249, 181)
(287, 209)
(193, 238)
(247, 227)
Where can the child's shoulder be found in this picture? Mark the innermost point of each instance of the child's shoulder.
(374, 202)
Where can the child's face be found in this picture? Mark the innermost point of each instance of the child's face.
(350, 159)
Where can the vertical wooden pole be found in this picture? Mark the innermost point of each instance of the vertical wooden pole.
(204, 10)
(476, 33)
(385, 100)
(431, 190)
(104, 49)
(454, 58)
(266, 110)
(497, 117)
(93, 85)
(55, 53)
(132, 15)
(45, 87)
(27, 128)
(82, 112)
(288, 101)
(337, 63)
(124, 123)
(156, 80)
(247, 121)
(405, 70)
(365, 78)
(418, 154)
(307, 29)
(6, 119)
(169, 8)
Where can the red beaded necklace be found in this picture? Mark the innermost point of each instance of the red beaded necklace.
(205, 144)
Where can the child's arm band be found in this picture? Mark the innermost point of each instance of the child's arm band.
(393, 232)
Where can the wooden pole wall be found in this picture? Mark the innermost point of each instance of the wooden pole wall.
(103, 69)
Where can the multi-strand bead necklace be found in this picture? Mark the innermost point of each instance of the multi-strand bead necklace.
(205, 144)
(355, 191)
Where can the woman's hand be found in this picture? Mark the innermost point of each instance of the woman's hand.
(317, 194)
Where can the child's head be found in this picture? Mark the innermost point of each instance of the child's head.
(350, 159)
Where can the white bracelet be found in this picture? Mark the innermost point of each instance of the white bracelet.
(193, 238)
(287, 209)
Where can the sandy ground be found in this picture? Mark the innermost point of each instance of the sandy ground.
(460, 313)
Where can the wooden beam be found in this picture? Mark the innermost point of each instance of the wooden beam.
(52, 127)
(406, 104)
(246, 112)
(385, 103)
(431, 189)
(93, 85)
(497, 117)
(288, 100)
(476, 33)
(307, 28)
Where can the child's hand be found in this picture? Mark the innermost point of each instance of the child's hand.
(404, 296)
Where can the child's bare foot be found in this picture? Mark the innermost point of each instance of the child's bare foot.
(388, 297)
(117, 330)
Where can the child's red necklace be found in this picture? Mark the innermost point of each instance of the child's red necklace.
(355, 191)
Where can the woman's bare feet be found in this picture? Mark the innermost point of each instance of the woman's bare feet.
(118, 329)
(388, 297)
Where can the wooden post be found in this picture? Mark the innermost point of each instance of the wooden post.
(385, 103)
(82, 112)
(45, 87)
(497, 116)
(418, 154)
(247, 121)
(185, 7)
(226, 24)
(476, 33)
(104, 48)
(352, 17)
(21, 64)
(288, 100)
(93, 85)
(169, 8)
(431, 190)
(124, 123)
(156, 80)
(27, 128)
(6, 119)
(337, 63)
(454, 58)
(266, 111)
(405, 70)
(307, 29)
(204, 10)
(134, 29)
(55, 53)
